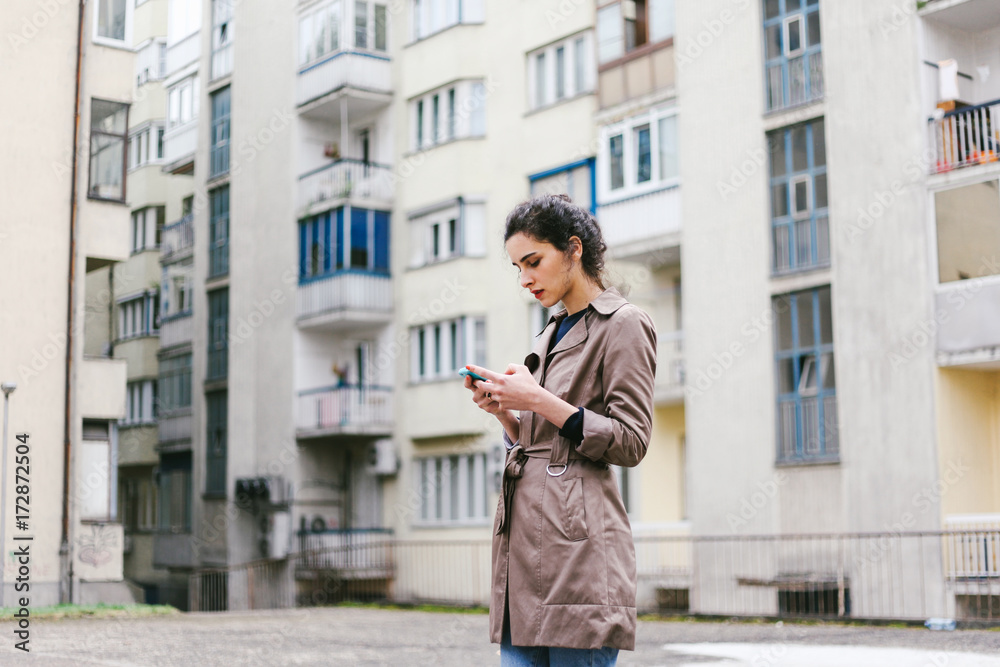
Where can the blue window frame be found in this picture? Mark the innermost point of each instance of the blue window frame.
(216, 443)
(219, 154)
(577, 179)
(218, 229)
(806, 383)
(800, 223)
(325, 246)
(793, 60)
(218, 334)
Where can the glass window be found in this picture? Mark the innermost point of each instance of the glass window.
(968, 231)
(219, 157)
(360, 24)
(669, 167)
(579, 63)
(111, 19)
(643, 153)
(793, 68)
(661, 19)
(610, 33)
(540, 93)
(560, 73)
(108, 138)
(616, 146)
(381, 27)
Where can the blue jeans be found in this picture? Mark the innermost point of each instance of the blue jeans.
(544, 656)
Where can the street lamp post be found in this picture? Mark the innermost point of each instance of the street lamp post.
(8, 388)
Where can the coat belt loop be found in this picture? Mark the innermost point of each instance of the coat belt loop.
(559, 458)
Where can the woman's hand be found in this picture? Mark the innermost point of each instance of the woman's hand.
(515, 389)
(482, 395)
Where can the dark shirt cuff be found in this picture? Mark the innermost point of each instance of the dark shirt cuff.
(573, 428)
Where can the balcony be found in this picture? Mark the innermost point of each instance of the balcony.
(362, 80)
(344, 300)
(177, 240)
(344, 410)
(974, 15)
(179, 145)
(101, 388)
(968, 324)
(965, 137)
(176, 329)
(103, 232)
(345, 180)
(173, 550)
(646, 227)
(669, 387)
(175, 427)
(183, 53)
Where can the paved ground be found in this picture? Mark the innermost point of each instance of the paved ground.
(368, 637)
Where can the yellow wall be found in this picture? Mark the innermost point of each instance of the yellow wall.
(661, 473)
(969, 441)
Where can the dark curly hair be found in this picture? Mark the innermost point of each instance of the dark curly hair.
(554, 219)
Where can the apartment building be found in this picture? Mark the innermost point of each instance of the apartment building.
(67, 212)
(840, 224)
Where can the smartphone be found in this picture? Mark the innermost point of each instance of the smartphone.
(474, 376)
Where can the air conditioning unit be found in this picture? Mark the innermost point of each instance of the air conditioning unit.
(382, 458)
(273, 490)
(275, 534)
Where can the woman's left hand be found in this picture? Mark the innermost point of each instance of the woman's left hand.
(514, 389)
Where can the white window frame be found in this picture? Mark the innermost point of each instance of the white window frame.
(140, 397)
(785, 26)
(137, 315)
(472, 477)
(626, 128)
(102, 452)
(797, 213)
(438, 345)
(469, 120)
(307, 24)
(150, 61)
(189, 84)
(183, 20)
(571, 87)
(369, 26)
(429, 17)
(144, 136)
(108, 41)
(469, 215)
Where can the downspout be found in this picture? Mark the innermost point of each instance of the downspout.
(65, 558)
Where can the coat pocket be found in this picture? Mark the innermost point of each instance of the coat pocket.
(575, 511)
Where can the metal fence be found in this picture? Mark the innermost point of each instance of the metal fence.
(876, 576)
(966, 136)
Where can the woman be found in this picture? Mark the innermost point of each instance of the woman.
(563, 559)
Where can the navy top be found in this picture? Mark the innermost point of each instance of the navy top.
(573, 428)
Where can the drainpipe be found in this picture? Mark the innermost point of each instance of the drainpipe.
(65, 553)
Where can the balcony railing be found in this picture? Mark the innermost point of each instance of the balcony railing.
(180, 142)
(184, 52)
(346, 178)
(345, 409)
(347, 294)
(354, 554)
(966, 137)
(364, 71)
(642, 224)
(178, 237)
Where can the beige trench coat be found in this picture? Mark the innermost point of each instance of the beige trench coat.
(563, 556)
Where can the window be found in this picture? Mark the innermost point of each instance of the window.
(638, 155)
(137, 503)
(464, 117)
(453, 489)
(799, 213)
(174, 383)
(147, 227)
(140, 403)
(182, 103)
(180, 295)
(968, 231)
(370, 25)
(139, 315)
(94, 462)
(431, 16)
(218, 334)
(793, 64)
(627, 25)
(218, 230)
(319, 33)
(108, 136)
(112, 20)
(175, 490)
(454, 228)
(806, 382)
(184, 19)
(216, 442)
(575, 179)
(150, 61)
(145, 145)
(559, 71)
(361, 24)
(219, 157)
(441, 349)
(222, 38)
(326, 246)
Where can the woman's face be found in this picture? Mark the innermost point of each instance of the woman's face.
(543, 269)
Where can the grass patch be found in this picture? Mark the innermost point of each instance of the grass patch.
(436, 608)
(100, 610)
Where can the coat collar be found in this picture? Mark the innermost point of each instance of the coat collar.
(604, 304)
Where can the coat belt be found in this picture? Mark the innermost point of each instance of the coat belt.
(514, 469)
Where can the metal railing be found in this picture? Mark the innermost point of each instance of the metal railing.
(344, 407)
(966, 137)
(875, 576)
(177, 237)
(346, 178)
